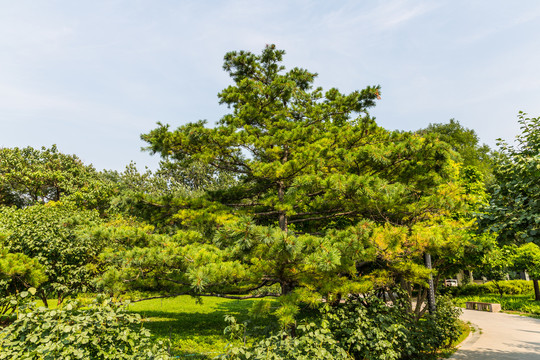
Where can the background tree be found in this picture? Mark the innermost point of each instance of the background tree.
(466, 143)
(50, 235)
(527, 258)
(29, 176)
(514, 209)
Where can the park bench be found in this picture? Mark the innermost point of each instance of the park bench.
(482, 306)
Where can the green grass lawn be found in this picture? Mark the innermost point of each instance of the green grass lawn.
(195, 330)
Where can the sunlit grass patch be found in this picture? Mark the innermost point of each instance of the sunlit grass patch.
(195, 328)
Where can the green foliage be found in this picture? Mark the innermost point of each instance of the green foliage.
(29, 176)
(439, 330)
(19, 274)
(50, 235)
(364, 327)
(508, 287)
(11, 303)
(100, 330)
(466, 144)
(313, 342)
(136, 258)
(513, 209)
(527, 258)
(370, 329)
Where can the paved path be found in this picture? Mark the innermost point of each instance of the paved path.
(501, 337)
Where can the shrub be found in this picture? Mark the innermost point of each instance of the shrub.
(370, 329)
(312, 342)
(363, 328)
(439, 330)
(102, 330)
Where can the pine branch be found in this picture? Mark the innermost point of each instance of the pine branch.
(240, 297)
(161, 297)
(322, 217)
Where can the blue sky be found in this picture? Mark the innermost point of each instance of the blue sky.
(92, 76)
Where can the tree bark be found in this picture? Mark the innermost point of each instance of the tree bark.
(44, 299)
(282, 214)
(536, 290)
(286, 287)
(281, 195)
(431, 291)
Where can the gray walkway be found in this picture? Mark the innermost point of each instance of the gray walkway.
(501, 337)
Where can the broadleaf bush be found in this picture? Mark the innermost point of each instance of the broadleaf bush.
(364, 328)
(101, 330)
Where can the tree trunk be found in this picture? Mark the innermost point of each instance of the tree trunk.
(282, 215)
(281, 194)
(431, 291)
(421, 297)
(286, 287)
(499, 289)
(406, 286)
(536, 290)
(44, 299)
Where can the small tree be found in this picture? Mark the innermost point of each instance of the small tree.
(527, 258)
(49, 235)
(496, 264)
(30, 176)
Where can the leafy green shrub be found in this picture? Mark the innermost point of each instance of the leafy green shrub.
(363, 328)
(465, 290)
(312, 342)
(102, 330)
(508, 287)
(439, 330)
(10, 303)
(369, 329)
